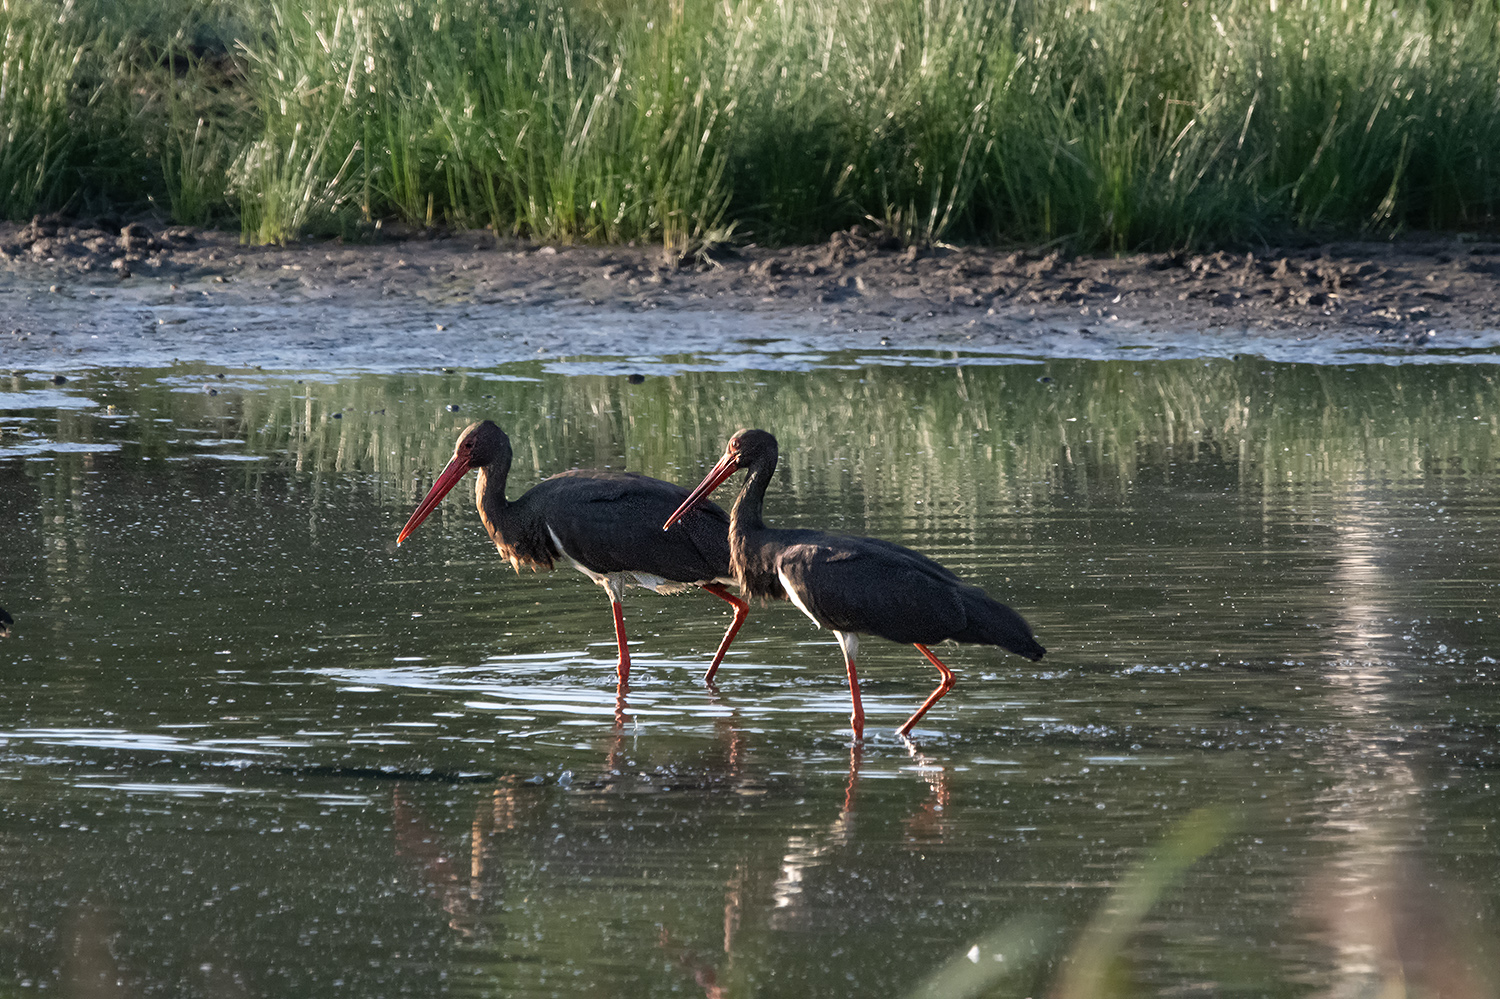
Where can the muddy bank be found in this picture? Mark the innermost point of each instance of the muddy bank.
(100, 292)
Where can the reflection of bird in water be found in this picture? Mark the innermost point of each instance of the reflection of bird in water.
(5, 622)
(466, 895)
(747, 888)
(928, 825)
(600, 522)
(852, 585)
(748, 885)
(804, 852)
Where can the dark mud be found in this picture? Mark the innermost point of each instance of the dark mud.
(102, 292)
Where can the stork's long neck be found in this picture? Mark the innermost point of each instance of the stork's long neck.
(745, 517)
(519, 530)
(489, 497)
(749, 558)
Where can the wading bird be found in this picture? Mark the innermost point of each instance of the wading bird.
(850, 585)
(602, 523)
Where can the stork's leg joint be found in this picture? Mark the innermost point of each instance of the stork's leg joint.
(943, 687)
(741, 611)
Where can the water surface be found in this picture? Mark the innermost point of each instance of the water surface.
(249, 747)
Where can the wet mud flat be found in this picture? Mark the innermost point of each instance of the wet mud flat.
(100, 292)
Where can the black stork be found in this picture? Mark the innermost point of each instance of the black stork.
(851, 585)
(602, 523)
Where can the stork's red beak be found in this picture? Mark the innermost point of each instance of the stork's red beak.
(727, 466)
(456, 470)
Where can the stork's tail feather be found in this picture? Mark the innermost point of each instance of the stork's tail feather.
(992, 623)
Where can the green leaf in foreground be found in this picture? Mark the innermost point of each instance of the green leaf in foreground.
(1022, 942)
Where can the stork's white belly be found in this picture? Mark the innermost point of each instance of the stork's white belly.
(615, 582)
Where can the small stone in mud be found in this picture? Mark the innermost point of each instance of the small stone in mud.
(211, 391)
(59, 379)
(452, 407)
(219, 375)
(54, 289)
(338, 416)
(136, 236)
(636, 379)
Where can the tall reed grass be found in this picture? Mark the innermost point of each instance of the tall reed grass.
(39, 61)
(1104, 124)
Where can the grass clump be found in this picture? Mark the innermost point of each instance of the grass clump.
(40, 54)
(1103, 124)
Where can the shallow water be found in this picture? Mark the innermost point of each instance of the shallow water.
(249, 747)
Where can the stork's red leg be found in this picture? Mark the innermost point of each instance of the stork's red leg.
(623, 666)
(942, 688)
(741, 611)
(849, 642)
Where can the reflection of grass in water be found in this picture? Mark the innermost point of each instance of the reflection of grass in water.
(973, 439)
(942, 446)
(997, 434)
(1092, 967)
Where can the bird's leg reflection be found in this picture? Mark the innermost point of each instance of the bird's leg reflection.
(705, 974)
(622, 689)
(856, 755)
(928, 824)
(734, 901)
(464, 895)
(746, 888)
(732, 737)
(615, 756)
(804, 852)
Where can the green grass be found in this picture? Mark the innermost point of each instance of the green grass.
(39, 62)
(1096, 124)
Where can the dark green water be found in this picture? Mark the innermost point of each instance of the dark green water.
(249, 747)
